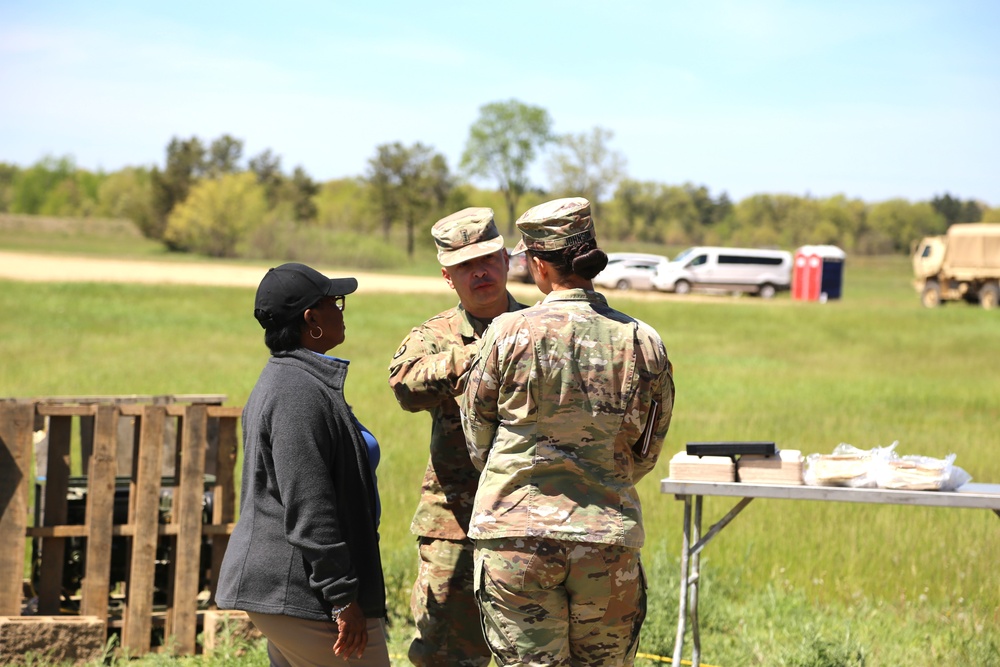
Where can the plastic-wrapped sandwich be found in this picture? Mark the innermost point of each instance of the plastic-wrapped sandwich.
(921, 473)
(882, 467)
(846, 466)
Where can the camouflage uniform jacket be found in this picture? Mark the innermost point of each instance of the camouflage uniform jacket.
(556, 409)
(428, 372)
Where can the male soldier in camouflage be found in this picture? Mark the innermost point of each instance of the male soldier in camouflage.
(565, 409)
(428, 373)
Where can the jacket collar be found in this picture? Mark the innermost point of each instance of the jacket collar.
(330, 370)
(576, 294)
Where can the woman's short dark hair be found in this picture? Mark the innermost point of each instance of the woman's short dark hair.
(583, 259)
(284, 337)
(288, 336)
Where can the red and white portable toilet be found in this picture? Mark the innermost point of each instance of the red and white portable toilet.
(818, 273)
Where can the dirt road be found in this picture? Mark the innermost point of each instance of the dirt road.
(36, 267)
(63, 268)
(66, 268)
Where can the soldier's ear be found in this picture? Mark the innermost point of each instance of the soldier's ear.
(541, 268)
(447, 277)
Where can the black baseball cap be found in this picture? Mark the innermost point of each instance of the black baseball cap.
(287, 290)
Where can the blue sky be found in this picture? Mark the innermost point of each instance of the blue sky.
(874, 100)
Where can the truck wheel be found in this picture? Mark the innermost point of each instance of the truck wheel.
(931, 296)
(767, 291)
(989, 295)
(682, 287)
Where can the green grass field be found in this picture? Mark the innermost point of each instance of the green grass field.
(788, 583)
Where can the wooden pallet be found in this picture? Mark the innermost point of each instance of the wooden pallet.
(141, 439)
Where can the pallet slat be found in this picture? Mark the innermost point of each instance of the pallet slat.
(66, 410)
(124, 530)
(188, 507)
(16, 428)
(175, 410)
(223, 496)
(56, 485)
(144, 518)
(100, 514)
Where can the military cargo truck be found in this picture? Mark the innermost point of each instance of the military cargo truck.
(964, 264)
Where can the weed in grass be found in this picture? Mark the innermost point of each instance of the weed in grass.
(819, 652)
(37, 659)
(231, 647)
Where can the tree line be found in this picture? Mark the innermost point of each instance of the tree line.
(209, 198)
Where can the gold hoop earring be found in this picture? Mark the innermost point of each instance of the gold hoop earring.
(316, 337)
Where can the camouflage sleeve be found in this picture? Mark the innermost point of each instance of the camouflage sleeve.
(656, 388)
(479, 402)
(422, 374)
(497, 387)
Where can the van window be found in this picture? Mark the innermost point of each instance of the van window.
(684, 255)
(747, 259)
(926, 252)
(699, 260)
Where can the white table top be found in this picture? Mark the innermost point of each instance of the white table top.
(974, 496)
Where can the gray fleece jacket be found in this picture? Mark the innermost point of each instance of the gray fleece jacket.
(306, 540)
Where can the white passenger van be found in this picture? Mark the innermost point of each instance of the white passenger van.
(762, 272)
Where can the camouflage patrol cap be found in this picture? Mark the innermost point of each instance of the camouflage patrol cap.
(555, 224)
(466, 234)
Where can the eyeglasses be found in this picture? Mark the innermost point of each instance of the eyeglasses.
(338, 301)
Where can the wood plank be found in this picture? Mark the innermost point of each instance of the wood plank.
(58, 532)
(17, 422)
(223, 494)
(224, 491)
(177, 401)
(56, 485)
(100, 514)
(93, 399)
(86, 441)
(211, 445)
(124, 530)
(171, 462)
(206, 399)
(66, 410)
(229, 411)
(127, 441)
(123, 399)
(182, 619)
(144, 518)
(171, 440)
(175, 410)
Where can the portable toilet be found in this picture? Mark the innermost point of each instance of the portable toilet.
(818, 273)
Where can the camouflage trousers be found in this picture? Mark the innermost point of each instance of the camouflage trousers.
(449, 633)
(555, 602)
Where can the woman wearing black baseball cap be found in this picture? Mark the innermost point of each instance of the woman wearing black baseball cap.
(303, 560)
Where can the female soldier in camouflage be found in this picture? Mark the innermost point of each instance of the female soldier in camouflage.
(566, 407)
